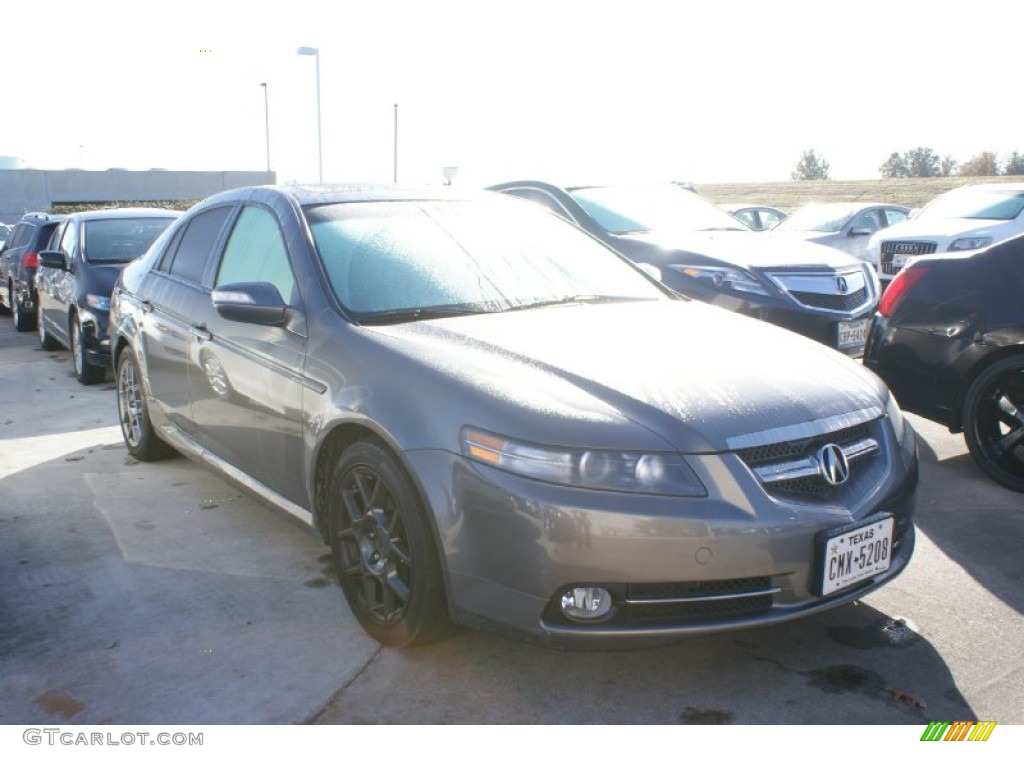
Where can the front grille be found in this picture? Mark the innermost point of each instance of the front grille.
(791, 469)
(907, 248)
(847, 302)
(797, 449)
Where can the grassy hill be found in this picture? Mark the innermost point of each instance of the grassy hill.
(790, 195)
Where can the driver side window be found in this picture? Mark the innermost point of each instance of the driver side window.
(256, 253)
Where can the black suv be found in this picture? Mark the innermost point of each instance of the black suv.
(18, 262)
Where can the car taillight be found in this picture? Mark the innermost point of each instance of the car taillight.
(30, 260)
(898, 288)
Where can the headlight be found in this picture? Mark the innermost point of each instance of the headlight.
(969, 243)
(895, 416)
(661, 474)
(726, 278)
(97, 302)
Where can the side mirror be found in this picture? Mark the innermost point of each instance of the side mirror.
(52, 260)
(860, 231)
(257, 303)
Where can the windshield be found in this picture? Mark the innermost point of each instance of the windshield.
(643, 209)
(462, 256)
(826, 217)
(118, 241)
(968, 203)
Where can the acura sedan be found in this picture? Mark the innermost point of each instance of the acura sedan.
(75, 278)
(701, 251)
(474, 404)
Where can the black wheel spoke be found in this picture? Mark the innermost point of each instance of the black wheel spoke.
(1009, 443)
(397, 587)
(352, 507)
(397, 547)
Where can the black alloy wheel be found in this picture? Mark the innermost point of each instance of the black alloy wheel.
(86, 372)
(994, 422)
(384, 550)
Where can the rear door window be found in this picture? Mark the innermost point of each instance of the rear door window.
(195, 246)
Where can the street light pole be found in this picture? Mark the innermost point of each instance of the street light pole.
(396, 145)
(308, 51)
(266, 114)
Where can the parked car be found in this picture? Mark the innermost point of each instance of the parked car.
(846, 226)
(949, 340)
(964, 219)
(757, 217)
(20, 258)
(76, 276)
(5, 232)
(701, 251)
(472, 402)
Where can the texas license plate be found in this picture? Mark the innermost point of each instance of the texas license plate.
(853, 334)
(853, 553)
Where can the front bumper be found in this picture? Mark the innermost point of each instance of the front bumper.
(736, 559)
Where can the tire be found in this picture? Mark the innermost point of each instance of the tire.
(384, 551)
(133, 414)
(86, 372)
(994, 422)
(46, 341)
(23, 320)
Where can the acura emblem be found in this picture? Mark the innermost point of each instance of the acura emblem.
(832, 464)
(841, 284)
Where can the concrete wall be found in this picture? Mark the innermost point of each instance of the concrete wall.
(25, 190)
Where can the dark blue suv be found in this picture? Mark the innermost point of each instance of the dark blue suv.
(18, 262)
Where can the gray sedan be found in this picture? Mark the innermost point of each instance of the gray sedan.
(846, 226)
(474, 404)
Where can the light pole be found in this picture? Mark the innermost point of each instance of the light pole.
(396, 145)
(308, 51)
(266, 115)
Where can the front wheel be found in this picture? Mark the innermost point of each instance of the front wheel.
(46, 341)
(86, 372)
(384, 549)
(133, 414)
(994, 422)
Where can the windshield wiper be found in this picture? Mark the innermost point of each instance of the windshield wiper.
(390, 316)
(580, 298)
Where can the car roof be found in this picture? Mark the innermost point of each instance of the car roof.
(343, 193)
(125, 213)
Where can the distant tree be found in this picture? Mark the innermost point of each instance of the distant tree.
(1015, 165)
(916, 163)
(894, 168)
(948, 166)
(980, 165)
(810, 167)
(922, 162)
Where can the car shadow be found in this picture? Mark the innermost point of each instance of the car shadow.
(974, 521)
(852, 665)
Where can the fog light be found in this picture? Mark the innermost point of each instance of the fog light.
(586, 603)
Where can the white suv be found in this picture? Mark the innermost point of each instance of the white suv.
(963, 219)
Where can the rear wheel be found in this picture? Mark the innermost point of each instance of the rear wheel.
(23, 319)
(384, 549)
(86, 372)
(133, 413)
(994, 422)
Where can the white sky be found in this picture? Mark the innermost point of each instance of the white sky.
(565, 90)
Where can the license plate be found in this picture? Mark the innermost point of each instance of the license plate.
(853, 333)
(853, 553)
(899, 261)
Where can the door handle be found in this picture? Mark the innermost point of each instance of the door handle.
(147, 306)
(201, 333)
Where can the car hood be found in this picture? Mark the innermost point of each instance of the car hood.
(701, 378)
(751, 250)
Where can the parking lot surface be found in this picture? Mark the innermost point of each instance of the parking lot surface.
(156, 593)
